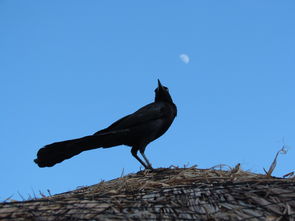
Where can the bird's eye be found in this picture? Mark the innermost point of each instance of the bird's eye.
(165, 88)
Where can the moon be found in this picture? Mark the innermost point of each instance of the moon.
(184, 58)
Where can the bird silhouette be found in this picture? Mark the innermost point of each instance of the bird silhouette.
(136, 130)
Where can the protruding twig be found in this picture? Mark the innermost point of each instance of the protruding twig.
(283, 150)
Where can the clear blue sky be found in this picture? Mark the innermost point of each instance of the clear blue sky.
(69, 68)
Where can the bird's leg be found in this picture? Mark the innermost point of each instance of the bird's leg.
(134, 153)
(146, 160)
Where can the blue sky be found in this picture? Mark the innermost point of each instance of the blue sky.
(70, 68)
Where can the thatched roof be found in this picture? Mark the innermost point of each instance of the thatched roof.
(167, 194)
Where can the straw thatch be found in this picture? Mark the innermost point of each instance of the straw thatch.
(167, 194)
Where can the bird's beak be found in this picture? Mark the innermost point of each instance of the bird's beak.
(159, 84)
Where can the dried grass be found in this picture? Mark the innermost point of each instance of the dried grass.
(168, 194)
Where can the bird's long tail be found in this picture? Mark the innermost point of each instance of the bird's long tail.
(57, 152)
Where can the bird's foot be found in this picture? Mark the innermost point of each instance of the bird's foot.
(149, 167)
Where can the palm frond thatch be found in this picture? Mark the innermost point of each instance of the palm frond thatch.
(167, 194)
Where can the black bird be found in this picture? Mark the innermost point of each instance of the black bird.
(136, 130)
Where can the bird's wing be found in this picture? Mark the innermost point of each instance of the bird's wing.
(144, 115)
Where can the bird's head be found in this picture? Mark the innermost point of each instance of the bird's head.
(162, 93)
